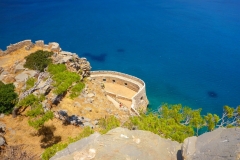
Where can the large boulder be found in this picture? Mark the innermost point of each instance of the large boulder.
(122, 144)
(220, 144)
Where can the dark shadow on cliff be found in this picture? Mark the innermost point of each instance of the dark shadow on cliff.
(99, 58)
(179, 155)
(48, 138)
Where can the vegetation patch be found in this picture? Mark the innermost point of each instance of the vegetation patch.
(63, 79)
(38, 60)
(77, 89)
(30, 83)
(37, 116)
(51, 151)
(8, 97)
(108, 123)
(172, 121)
(177, 123)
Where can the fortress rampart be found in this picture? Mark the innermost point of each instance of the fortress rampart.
(139, 100)
(53, 46)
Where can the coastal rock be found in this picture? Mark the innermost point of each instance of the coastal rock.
(220, 144)
(30, 73)
(79, 145)
(122, 144)
(189, 147)
(19, 68)
(22, 77)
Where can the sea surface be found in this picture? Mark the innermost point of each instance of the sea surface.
(187, 51)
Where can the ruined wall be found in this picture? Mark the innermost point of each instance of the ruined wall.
(139, 100)
(53, 46)
(14, 47)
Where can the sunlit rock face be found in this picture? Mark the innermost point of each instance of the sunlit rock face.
(121, 143)
(220, 144)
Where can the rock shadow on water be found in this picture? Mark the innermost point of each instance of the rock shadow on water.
(99, 58)
(212, 94)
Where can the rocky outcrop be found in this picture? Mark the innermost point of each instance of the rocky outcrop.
(73, 62)
(220, 144)
(122, 144)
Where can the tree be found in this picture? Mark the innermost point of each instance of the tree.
(63, 79)
(171, 121)
(38, 60)
(8, 97)
(37, 116)
(230, 117)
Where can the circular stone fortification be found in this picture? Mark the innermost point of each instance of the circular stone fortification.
(139, 100)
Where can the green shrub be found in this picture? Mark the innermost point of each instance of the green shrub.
(8, 97)
(51, 151)
(28, 101)
(38, 60)
(37, 116)
(30, 83)
(77, 89)
(63, 79)
(108, 123)
(35, 111)
(56, 68)
(38, 121)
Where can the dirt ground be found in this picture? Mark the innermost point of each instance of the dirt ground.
(19, 132)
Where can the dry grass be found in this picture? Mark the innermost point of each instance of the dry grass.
(17, 152)
(19, 132)
(18, 55)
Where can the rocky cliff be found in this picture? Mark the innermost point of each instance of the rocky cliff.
(123, 144)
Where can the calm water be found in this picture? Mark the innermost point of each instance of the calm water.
(187, 51)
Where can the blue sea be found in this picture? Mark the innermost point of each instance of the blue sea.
(187, 51)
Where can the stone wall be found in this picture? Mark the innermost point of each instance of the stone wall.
(53, 46)
(139, 100)
(14, 47)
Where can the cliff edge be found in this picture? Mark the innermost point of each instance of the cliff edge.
(123, 144)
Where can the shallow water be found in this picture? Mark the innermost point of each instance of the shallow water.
(182, 49)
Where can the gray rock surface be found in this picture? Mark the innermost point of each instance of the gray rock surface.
(19, 67)
(2, 128)
(79, 145)
(2, 141)
(220, 144)
(121, 144)
(22, 77)
(30, 73)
